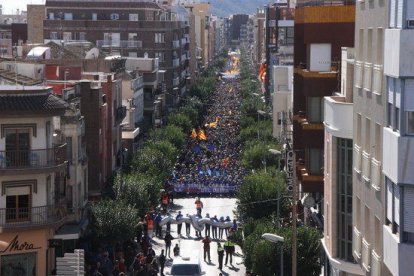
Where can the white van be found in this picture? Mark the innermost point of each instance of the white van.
(186, 266)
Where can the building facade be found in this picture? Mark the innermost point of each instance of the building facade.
(398, 140)
(32, 177)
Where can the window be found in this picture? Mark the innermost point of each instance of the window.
(409, 106)
(369, 53)
(132, 54)
(16, 264)
(396, 118)
(132, 36)
(69, 149)
(392, 206)
(361, 44)
(380, 45)
(160, 56)
(359, 129)
(18, 202)
(408, 231)
(344, 202)
(53, 35)
(377, 139)
(51, 16)
(67, 36)
(18, 148)
(114, 16)
(315, 109)
(67, 16)
(133, 17)
(409, 125)
(159, 37)
(315, 158)
(286, 36)
(367, 146)
(389, 113)
(94, 16)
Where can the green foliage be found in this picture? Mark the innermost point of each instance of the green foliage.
(170, 133)
(113, 220)
(180, 120)
(250, 106)
(260, 186)
(191, 113)
(138, 190)
(256, 155)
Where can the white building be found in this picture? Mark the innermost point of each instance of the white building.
(398, 135)
(282, 99)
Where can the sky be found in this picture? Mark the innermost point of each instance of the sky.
(10, 6)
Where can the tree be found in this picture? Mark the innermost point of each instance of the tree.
(256, 155)
(180, 120)
(114, 220)
(170, 133)
(257, 196)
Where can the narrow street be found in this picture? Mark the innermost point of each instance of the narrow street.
(192, 245)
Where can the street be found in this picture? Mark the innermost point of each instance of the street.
(188, 246)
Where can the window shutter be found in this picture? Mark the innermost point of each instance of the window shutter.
(390, 89)
(397, 204)
(408, 209)
(392, 13)
(389, 200)
(400, 8)
(409, 94)
(398, 93)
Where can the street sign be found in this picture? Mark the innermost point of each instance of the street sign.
(289, 169)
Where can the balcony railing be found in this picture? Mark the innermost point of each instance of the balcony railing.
(376, 174)
(176, 44)
(358, 74)
(29, 217)
(368, 76)
(358, 158)
(183, 41)
(32, 159)
(119, 43)
(176, 62)
(377, 82)
(356, 243)
(376, 264)
(366, 166)
(366, 255)
(120, 113)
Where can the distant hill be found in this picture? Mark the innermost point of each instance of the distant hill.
(225, 8)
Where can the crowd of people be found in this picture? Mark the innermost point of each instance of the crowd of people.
(211, 163)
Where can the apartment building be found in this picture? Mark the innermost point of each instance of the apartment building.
(368, 101)
(338, 164)
(282, 101)
(258, 50)
(127, 28)
(321, 30)
(33, 172)
(398, 140)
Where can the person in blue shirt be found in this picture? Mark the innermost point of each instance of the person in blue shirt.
(221, 229)
(179, 224)
(157, 220)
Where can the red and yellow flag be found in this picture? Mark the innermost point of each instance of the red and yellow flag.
(202, 135)
(193, 134)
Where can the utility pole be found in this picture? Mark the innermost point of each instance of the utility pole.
(294, 219)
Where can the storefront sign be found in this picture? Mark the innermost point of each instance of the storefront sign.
(289, 169)
(15, 245)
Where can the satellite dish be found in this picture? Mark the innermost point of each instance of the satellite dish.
(309, 202)
(92, 53)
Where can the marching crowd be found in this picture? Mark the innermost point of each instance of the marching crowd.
(211, 163)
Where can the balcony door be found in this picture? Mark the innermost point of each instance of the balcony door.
(18, 203)
(18, 147)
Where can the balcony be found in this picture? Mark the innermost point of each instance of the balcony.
(184, 41)
(376, 174)
(176, 62)
(119, 44)
(35, 159)
(376, 264)
(356, 243)
(310, 183)
(120, 114)
(368, 76)
(13, 218)
(399, 60)
(176, 81)
(315, 74)
(306, 125)
(310, 3)
(366, 255)
(377, 81)
(358, 74)
(358, 159)
(398, 156)
(137, 83)
(176, 44)
(366, 166)
(338, 117)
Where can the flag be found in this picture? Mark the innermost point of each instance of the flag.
(193, 134)
(212, 125)
(226, 162)
(262, 72)
(202, 135)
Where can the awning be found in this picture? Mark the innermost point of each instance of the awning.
(71, 231)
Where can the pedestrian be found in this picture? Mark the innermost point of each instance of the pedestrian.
(214, 220)
(164, 202)
(179, 223)
(187, 227)
(206, 246)
(176, 250)
(208, 226)
(221, 228)
(161, 259)
(168, 238)
(227, 228)
(158, 228)
(220, 254)
(199, 206)
(229, 248)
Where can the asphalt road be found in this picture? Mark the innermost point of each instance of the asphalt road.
(192, 246)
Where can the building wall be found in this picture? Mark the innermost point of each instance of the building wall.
(371, 19)
(238, 20)
(35, 16)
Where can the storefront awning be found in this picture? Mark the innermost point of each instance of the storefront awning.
(71, 231)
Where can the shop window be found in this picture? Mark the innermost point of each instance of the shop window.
(18, 264)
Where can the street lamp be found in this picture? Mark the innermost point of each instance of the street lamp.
(275, 239)
(277, 153)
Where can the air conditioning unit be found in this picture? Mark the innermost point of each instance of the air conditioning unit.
(410, 23)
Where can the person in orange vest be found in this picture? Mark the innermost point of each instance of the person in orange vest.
(199, 206)
(150, 225)
(164, 201)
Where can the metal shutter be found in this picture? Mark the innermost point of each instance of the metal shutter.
(397, 204)
(409, 94)
(389, 200)
(392, 13)
(408, 209)
(390, 88)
